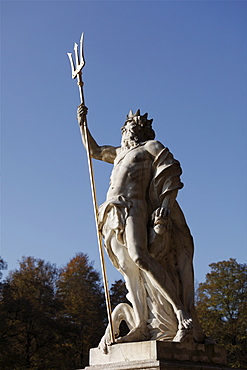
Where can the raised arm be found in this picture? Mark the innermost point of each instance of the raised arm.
(106, 153)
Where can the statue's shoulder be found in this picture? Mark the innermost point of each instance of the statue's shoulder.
(154, 147)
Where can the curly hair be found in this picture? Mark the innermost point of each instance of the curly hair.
(142, 121)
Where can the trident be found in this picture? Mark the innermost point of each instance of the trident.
(77, 73)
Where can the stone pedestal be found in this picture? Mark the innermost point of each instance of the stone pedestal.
(155, 355)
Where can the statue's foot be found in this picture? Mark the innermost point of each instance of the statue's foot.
(184, 320)
(135, 335)
(183, 335)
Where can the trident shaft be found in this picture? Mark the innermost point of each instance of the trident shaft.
(77, 73)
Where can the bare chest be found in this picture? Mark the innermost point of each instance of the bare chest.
(132, 168)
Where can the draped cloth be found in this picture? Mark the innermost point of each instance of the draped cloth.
(111, 222)
(173, 250)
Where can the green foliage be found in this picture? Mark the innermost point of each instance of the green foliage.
(80, 290)
(3, 266)
(118, 293)
(28, 307)
(49, 318)
(222, 308)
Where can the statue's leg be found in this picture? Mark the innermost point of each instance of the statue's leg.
(136, 293)
(187, 276)
(136, 237)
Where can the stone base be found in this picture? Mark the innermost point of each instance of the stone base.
(156, 365)
(155, 355)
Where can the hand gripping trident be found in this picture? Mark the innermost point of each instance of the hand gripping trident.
(77, 72)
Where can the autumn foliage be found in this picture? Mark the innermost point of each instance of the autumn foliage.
(222, 308)
(50, 317)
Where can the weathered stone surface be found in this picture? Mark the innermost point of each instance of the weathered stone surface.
(155, 350)
(156, 365)
(154, 355)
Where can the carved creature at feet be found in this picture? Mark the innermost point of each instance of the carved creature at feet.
(136, 334)
(103, 346)
(106, 341)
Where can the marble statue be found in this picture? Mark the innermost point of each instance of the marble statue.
(146, 236)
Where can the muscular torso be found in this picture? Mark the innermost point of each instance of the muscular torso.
(131, 174)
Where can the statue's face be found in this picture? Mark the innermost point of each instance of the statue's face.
(129, 128)
(129, 133)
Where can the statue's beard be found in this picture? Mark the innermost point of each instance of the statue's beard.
(130, 141)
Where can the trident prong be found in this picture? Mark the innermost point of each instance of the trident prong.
(80, 61)
(76, 72)
(81, 48)
(77, 68)
(71, 62)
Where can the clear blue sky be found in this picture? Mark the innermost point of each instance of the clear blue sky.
(183, 62)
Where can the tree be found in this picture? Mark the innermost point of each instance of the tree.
(50, 318)
(28, 305)
(3, 266)
(118, 293)
(80, 290)
(222, 308)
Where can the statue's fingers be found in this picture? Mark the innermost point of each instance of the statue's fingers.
(157, 211)
(162, 212)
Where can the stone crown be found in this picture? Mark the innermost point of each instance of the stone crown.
(141, 120)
